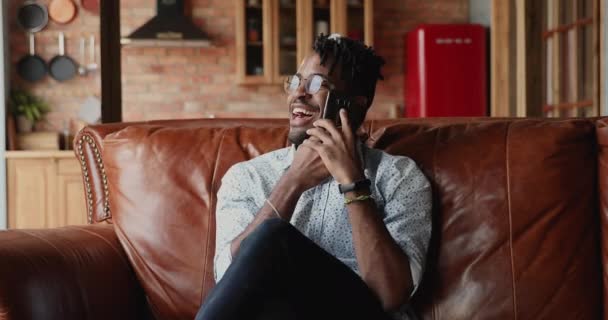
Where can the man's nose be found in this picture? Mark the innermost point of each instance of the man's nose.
(300, 92)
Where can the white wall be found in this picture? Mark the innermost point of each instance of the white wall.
(3, 89)
(479, 12)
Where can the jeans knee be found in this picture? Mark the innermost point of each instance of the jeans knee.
(271, 228)
(269, 231)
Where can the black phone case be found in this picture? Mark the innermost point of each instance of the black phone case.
(337, 100)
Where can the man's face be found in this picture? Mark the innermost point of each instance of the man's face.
(304, 108)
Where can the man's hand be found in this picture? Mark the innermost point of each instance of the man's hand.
(336, 148)
(307, 169)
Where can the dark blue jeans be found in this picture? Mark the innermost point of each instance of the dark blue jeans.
(279, 273)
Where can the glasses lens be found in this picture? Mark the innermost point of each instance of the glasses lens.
(292, 83)
(314, 84)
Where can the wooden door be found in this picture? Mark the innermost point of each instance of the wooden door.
(31, 192)
(71, 206)
(571, 58)
(545, 58)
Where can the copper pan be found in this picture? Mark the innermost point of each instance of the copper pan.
(62, 11)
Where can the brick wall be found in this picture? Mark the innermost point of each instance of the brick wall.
(64, 98)
(164, 83)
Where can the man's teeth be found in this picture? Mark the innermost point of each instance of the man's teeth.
(303, 111)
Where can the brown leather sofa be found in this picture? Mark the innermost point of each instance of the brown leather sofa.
(520, 214)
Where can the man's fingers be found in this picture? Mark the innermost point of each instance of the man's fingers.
(314, 139)
(329, 126)
(320, 134)
(314, 145)
(346, 126)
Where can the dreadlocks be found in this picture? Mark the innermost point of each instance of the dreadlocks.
(360, 66)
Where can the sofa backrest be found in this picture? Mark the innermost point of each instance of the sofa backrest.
(516, 221)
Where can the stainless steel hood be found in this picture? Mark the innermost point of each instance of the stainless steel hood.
(169, 28)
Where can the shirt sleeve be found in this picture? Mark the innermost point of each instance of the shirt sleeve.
(235, 210)
(408, 201)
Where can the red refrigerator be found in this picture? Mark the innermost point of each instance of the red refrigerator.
(446, 71)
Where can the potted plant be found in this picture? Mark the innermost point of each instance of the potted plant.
(27, 108)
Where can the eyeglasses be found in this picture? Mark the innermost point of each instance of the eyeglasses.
(312, 84)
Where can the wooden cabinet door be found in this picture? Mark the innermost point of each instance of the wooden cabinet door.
(274, 36)
(351, 18)
(254, 41)
(354, 19)
(71, 206)
(31, 189)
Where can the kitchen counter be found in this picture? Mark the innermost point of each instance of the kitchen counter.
(35, 154)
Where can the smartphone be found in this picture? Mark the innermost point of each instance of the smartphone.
(337, 100)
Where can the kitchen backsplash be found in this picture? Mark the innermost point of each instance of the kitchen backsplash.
(170, 83)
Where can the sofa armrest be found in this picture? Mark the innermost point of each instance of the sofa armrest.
(67, 273)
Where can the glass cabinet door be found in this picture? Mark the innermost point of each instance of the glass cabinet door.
(274, 36)
(355, 18)
(253, 41)
(359, 21)
(317, 16)
(321, 17)
(285, 55)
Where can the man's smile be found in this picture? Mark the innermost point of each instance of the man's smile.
(303, 114)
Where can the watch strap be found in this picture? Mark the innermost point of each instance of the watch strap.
(355, 186)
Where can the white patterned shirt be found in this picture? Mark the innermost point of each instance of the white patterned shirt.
(400, 190)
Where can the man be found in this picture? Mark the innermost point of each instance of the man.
(327, 228)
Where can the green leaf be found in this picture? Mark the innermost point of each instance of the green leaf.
(36, 114)
(24, 103)
(28, 114)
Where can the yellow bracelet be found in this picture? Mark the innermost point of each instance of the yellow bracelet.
(359, 198)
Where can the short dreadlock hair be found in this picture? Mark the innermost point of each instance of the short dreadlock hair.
(360, 65)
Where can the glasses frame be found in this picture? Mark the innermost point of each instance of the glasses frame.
(306, 82)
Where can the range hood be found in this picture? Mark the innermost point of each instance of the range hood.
(169, 28)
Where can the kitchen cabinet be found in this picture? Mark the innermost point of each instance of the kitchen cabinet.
(45, 189)
(273, 36)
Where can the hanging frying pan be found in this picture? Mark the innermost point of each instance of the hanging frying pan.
(91, 5)
(62, 11)
(31, 67)
(62, 67)
(32, 16)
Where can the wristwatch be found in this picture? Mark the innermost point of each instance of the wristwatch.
(355, 186)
